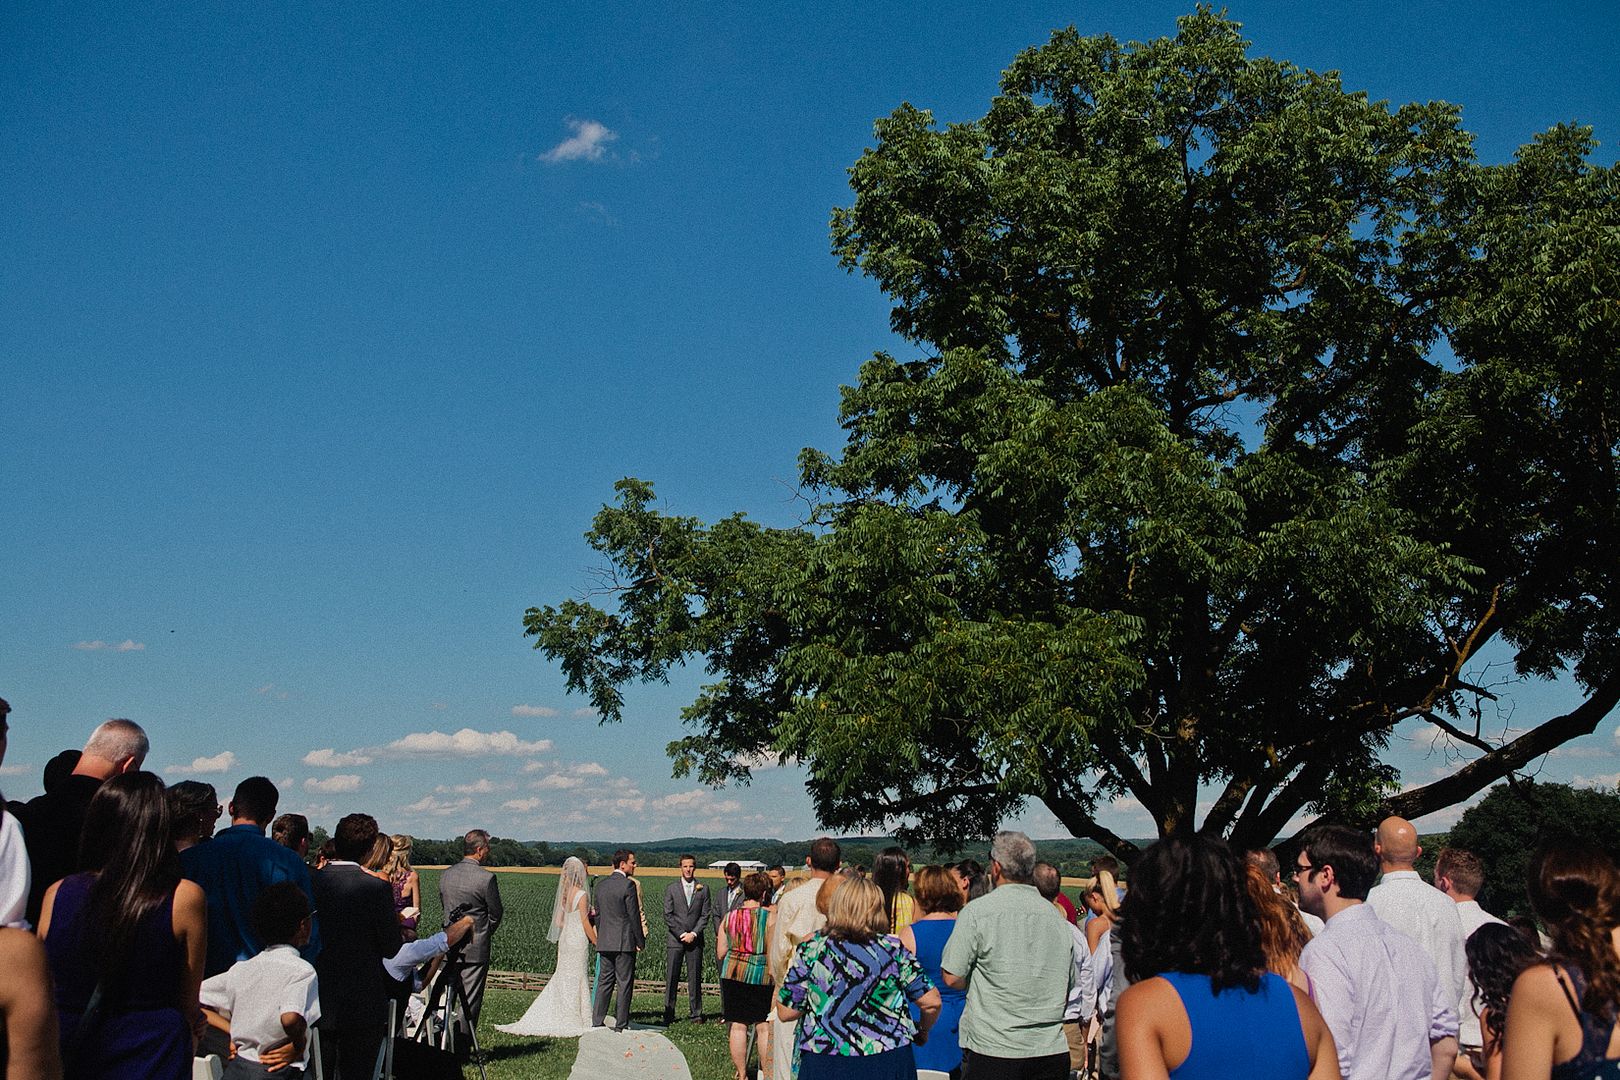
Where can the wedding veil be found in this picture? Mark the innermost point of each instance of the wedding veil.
(570, 883)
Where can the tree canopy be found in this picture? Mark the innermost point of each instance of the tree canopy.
(1241, 413)
(1511, 822)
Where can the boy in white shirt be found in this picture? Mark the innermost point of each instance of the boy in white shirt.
(268, 1003)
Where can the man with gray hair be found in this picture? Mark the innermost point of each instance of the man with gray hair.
(52, 822)
(1014, 954)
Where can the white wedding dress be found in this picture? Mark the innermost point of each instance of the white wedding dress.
(563, 1009)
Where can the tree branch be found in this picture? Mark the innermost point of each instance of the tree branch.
(1478, 775)
(1455, 732)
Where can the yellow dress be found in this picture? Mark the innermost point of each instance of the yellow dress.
(905, 912)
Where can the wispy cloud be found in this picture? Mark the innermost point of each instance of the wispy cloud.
(696, 801)
(587, 768)
(281, 695)
(466, 743)
(15, 770)
(587, 143)
(219, 763)
(335, 785)
(533, 710)
(1605, 780)
(477, 787)
(127, 645)
(521, 806)
(598, 212)
(427, 804)
(558, 782)
(583, 713)
(331, 759)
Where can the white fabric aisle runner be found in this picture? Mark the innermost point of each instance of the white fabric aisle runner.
(638, 1052)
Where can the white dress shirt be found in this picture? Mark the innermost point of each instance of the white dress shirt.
(254, 993)
(1427, 916)
(1472, 917)
(1380, 995)
(14, 874)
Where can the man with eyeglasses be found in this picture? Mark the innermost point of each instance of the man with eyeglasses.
(1380, 993)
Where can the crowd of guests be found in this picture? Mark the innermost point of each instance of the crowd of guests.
(137, 935)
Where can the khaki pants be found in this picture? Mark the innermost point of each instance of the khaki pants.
(1074, 1032)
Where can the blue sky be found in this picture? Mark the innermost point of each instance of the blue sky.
(324, 330)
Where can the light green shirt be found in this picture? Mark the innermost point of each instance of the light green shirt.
(1017, 954)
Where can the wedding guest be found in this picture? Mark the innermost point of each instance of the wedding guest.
(1414, 907)
(291, 831)
(15, 874)
(1201, 1002)
(1014, 956)
(194, 808)
(238, 864)
(1283, 933)
(407, 885)
(357, 915)
(1460, 875)
(265, 1004)
(892, 873)
(970, 876)
(733, 896)
(52, 822)
(1561, 1017)
(851, 985)
(1377, 989)
(1497, 955)
(131, 928)
(797, 918)
(374, 862)
(745, 980)
(939, 898)
(1081, 1000)
(326, 855)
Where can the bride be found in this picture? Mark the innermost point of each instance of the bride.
(563, 1008)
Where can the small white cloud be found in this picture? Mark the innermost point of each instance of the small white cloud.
(218, 763)
(127, 645)
(331, 759)
(427, 804)
(587, 143)
(617, 807)
(335, 785)
(698, 800)
(466, 743)
(479, 787)
(588, 768)
(536, 766)
(583, 713)
(15, 770)
(533, 710)
(521, 806)
(558, 782)
(1605, 780)
(266, 688)
(438, 705)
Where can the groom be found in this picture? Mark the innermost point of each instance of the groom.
(619, 937)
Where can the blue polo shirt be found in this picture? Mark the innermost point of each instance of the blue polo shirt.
(232, 869)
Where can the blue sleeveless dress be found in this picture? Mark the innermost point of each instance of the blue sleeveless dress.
(942, 1051)
(1236, 1033)
(1592, 1063)
(142, 1035)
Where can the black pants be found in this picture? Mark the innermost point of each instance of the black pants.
(976, 1066)
(350, 1054)
(692, 956)
(618, 969)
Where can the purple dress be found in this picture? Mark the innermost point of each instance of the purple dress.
(143, 1035)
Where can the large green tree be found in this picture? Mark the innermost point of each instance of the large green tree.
(1243, 414)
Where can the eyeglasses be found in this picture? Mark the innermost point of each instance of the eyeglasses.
(1305, 868)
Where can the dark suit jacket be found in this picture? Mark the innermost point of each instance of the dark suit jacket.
(682, 918)
(468, 885)
(618, 915)
(359, 930)
(51, 825)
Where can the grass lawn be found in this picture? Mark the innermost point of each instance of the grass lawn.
(513, 1057)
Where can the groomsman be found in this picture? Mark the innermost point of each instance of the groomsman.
(686, 914)
(734, 893)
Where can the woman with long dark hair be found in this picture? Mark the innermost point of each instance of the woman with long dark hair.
(1561, 1017)
(126, 941)
(1202, 1003)
(891, 872)
(1497, 955)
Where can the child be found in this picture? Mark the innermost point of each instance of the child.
(267, 1003)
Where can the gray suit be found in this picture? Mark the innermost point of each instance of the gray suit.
(618, 938)
(681, 918)
(468, 885)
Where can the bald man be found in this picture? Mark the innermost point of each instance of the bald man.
(1416, 908)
